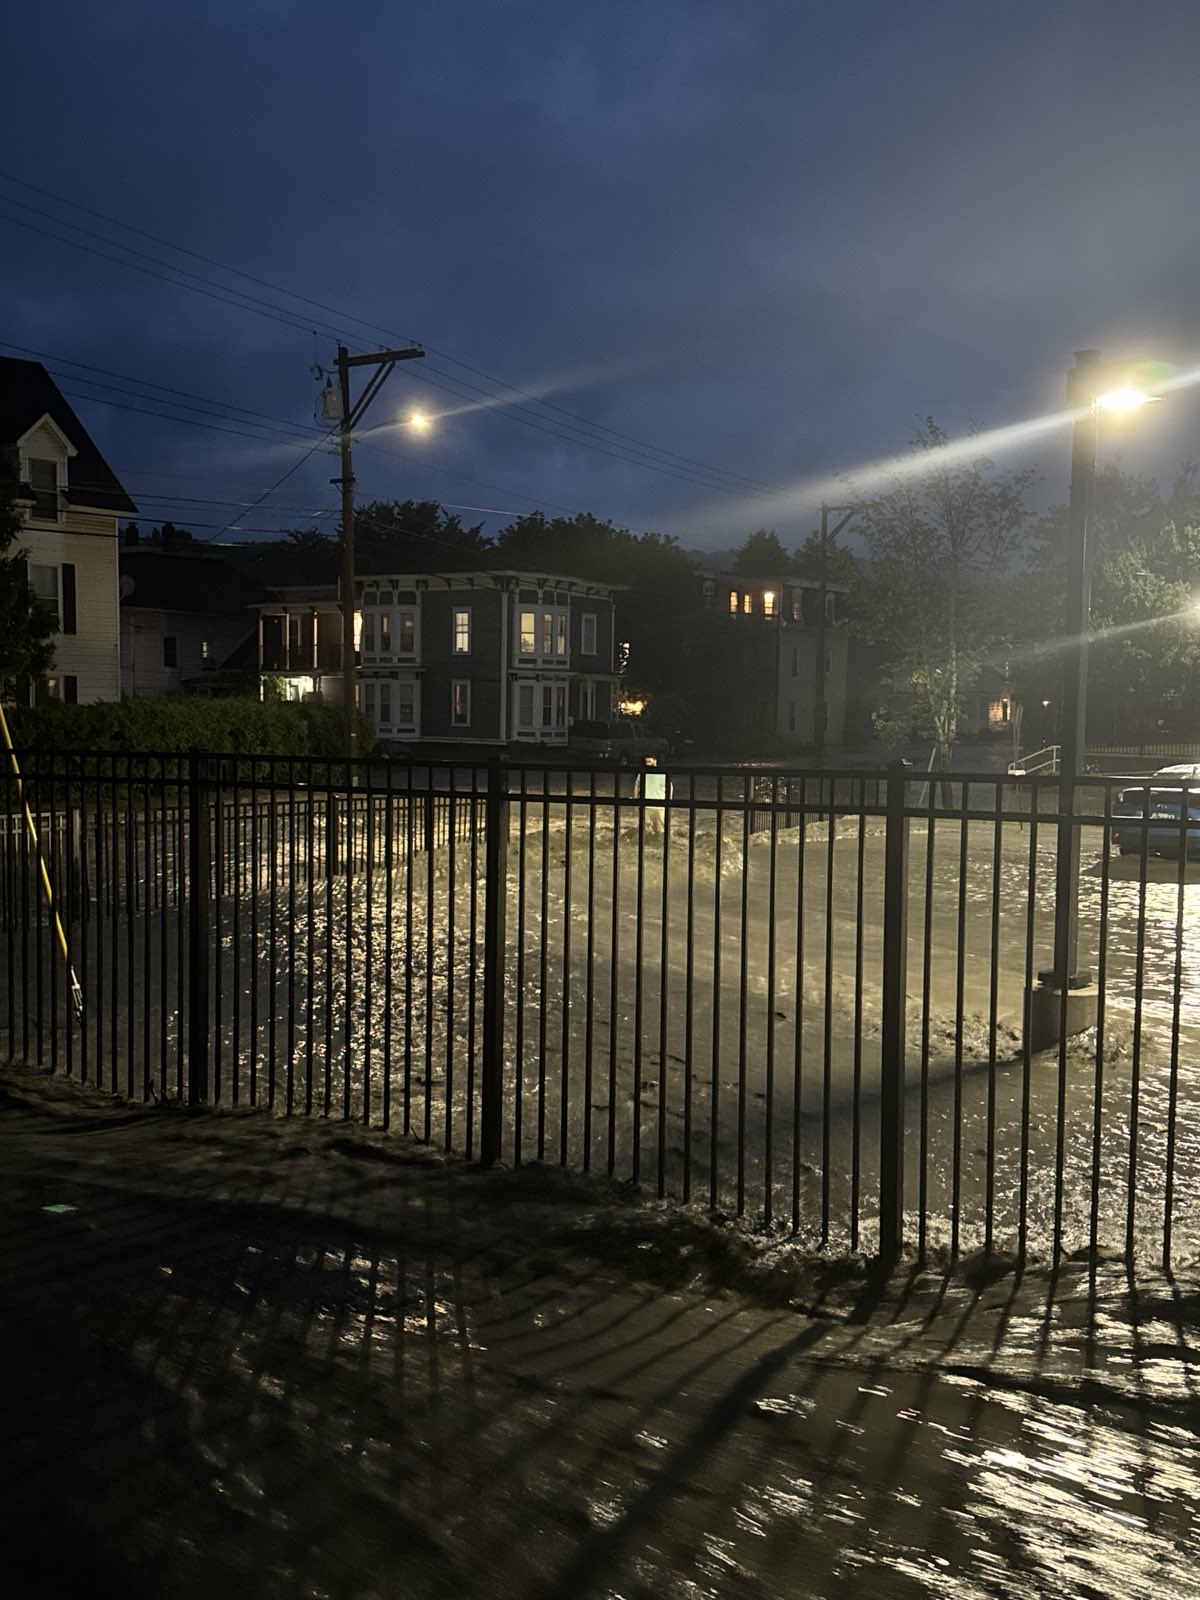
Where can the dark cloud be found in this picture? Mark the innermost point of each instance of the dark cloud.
(766, 238)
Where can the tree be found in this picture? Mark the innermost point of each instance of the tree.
(1145, 643)
(415, 536)
(26, 628)
(761, 555)
(942, 542)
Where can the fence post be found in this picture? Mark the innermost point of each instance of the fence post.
(199, 928)
(494, 942)
(892, 1042)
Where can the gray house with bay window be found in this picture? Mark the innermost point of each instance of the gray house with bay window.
(484, 657)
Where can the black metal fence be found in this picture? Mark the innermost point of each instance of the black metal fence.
(798, 999)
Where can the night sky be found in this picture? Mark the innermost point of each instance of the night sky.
(726, 252)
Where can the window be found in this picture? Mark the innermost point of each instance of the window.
(528, 632)
(560, 705)
(385, 633)
(366, 637)
(587, 702)
(385, 704)
(547, 633)
(44, 583)
(67, 578)
(733, 602)
(588, 642)
(747, 602)
(70, 688)
(462, 633)
(525, 705)
(797, 608)
(769, 603)
(170, 650)
(407, 642)
(406, 706)
(460, 703)
(366, 699)
(560, 633)
(547, 705)
(43, 480)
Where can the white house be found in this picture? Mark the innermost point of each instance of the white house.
(71, 502)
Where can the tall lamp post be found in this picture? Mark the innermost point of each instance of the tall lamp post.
(1064, 990)
(349, 417)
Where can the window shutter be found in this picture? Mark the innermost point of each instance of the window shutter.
(68, 597)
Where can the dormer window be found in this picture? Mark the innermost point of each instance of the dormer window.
(43, 480)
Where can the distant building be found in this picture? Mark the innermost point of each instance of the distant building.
(71, 501)
(484, 656)
(186, 621)
(776, 685)
(300, 642)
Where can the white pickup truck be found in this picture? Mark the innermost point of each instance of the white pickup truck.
(624, 740)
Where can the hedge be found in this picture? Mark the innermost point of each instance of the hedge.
(167, 724)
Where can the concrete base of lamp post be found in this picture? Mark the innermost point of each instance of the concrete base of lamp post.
(1044, 1014)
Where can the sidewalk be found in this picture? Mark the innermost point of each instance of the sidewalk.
(250, 1357)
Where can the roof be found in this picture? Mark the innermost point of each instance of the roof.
(167, 580)
(27, 394)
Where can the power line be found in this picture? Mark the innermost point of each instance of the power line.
(736, 482)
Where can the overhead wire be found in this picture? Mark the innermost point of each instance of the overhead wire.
(629, 449)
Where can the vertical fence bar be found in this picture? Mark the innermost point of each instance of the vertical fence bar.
(495, 918)
(892, 1018)
(199, 930)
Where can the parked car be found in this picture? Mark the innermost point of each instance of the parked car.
(623, 740)
(1155, 822)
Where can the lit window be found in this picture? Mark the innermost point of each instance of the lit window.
(769, 603)
(460, 703)
(528, 632)
(733, 602)
(747, 602)
(588, 641)
(385, 633)
(462, 633)
(560, 634)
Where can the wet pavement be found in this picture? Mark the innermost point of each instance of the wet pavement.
(268, 1357)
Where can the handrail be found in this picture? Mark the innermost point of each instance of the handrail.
(1045, 760)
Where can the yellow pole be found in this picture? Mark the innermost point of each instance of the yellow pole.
(31, 825)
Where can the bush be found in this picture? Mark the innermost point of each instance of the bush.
(170, 725)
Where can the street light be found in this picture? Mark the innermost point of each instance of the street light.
(1092, 386)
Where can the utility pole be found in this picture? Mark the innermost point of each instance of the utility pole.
(819, 686)
(383, 361)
